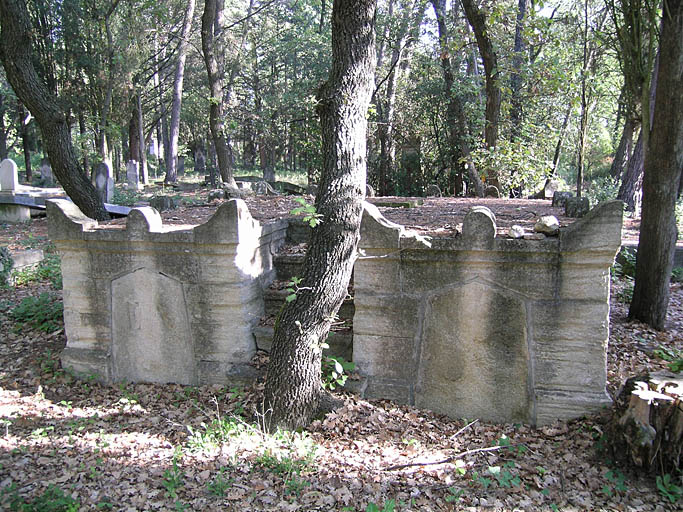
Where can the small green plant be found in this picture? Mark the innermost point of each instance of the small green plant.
(625, 294)
(504, 475)
(673, 356)
(295, 485)
(292, 288)
(481, 480)
(389, 506)
(335, 371)
(616, 482)
(174, 476)
(217, 432)
(668, 489)
(53, 499)
(625, 265)
(454, 494)
(43, 313)
(49, 269)
(311, 216)
(125, 197)
(219, 484)
(677, 275)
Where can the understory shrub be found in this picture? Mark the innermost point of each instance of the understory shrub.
(6, 263)
(44, 313)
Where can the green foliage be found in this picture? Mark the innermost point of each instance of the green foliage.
(389, 506)
(335, 371)
(217, 432)
(219, 484)
(668, 488)
(616, 481)
(174, 477)
(125, 197)
(292, 288)
(625, 264)
(673, 356)
(504, 475)
(50, 269)
(311, 216)
(625, 293)
(677, 275)
(6, 263)
(602, 189)
(53, 499)
(44, 313)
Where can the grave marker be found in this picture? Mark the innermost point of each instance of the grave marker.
(9, 176)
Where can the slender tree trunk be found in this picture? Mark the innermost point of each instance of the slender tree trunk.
(516, 78)
(3, 129)
(621, 156)
(174, 129)
(663, 164)
(212, 27)
(15, 52)
(632, 179)
(143, 143)
(493, 94)
(455, 114)
(293, 390)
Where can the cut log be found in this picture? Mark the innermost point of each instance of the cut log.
(648, 425)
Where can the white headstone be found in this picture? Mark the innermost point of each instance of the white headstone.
(133, 174)
(9, 176)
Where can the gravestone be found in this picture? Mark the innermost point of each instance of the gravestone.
(560, 198)
(163, 203)
(133, 175)
(369, 191)
(181, 166)
(46, 173)
(491, 191)
(576, 206)
(550, 188)
(9, 176)
(104, 183)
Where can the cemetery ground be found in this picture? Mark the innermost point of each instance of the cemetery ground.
(75, 444)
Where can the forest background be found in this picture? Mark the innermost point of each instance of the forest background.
(570, 77)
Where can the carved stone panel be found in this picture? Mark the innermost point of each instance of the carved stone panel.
(474, 361)
(151, 338)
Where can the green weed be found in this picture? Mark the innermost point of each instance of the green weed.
(389, 506)
(44, 313)
(335, 371)
(174, 477)
(311, 216)
(50, 269)
(219, 484)
(668, 489)
(213, 435)
(53, 499)
(616, 482)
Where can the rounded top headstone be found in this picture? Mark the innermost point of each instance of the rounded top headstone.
(479, 225)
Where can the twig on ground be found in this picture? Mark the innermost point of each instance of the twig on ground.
(449, 459)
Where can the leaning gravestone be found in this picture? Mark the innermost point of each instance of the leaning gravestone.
(433, 191)
(9, 176)
(163, 203)
(133, 175)
(46, 173)
(104, 183)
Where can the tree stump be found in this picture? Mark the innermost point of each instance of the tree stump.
(647, 428)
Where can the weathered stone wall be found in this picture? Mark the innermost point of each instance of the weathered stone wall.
(160, 303)
(482, 327)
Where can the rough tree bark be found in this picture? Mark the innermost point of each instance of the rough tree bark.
(15, 53)
(493, 94)
(293, 389)
(662, 175)
(172, 157)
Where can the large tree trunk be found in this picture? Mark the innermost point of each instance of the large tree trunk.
(455, 113)
(293, 388)
(212, 27)
(516, 78)
(174, 129)
(663, 164)
(15, 52)
(493, 94)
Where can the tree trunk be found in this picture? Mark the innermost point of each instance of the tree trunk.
(516, 78)
(212, 26)
(621, 156)
(632, 179)
(15, 53)
(25, 134)
(493, 93)
(174, 129)
(3, 129)
(455, 114)
(663, 164)
(293, 389)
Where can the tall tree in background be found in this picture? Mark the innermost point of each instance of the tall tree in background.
(15, 53)
(477, 20)
(661, 182)
(174, 129)
(212, 29)
(293, 388)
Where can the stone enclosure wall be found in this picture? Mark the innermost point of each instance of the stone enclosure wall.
(471, 326)
(163, 304)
